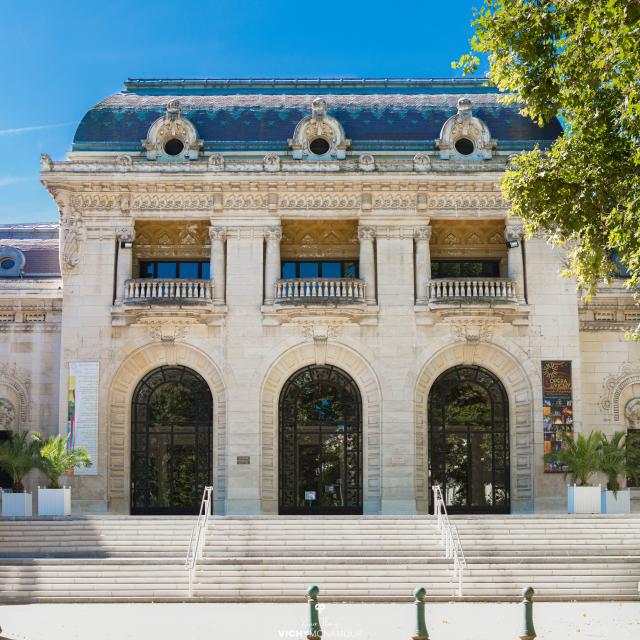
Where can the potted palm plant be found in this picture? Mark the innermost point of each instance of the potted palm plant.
(19, 454)
(581, 459)
(617, 461)
(56, 459)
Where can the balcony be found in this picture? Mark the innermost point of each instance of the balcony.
(472, 291)
(301, 299)
(168, 291)
(320, 291)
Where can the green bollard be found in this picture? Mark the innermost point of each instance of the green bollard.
(314, 632)
(421, 633)
(528, 630)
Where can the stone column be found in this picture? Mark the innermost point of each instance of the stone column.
(366, 236)
(124, 265)
(272, 267)
(218, 269)
(514, 231)
(423, 263)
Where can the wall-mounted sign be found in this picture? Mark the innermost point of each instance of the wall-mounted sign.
(82, 415)
(557, 410)
(243, 460)
(310, 495)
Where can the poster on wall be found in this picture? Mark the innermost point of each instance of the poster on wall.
(82, 421)
(557, 409)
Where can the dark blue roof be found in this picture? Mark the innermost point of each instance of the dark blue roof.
(262, 114)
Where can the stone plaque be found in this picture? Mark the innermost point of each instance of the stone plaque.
(243, 460)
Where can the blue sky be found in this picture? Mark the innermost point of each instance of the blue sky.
(57, 59)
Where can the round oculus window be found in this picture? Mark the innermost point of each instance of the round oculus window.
(173, 147)
(7, 263)
(319, 146)
(464, 146)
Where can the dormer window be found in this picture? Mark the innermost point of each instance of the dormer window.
(172, 137)
(7, 263)
(12, 262)
(319, 136)
(465, 136)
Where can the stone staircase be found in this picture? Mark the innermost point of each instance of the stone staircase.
(351, 558)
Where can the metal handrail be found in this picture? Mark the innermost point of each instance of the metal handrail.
(198, 534)
(449, 537)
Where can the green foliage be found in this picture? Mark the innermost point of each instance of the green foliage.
(18, 455)
(580, 456)
(579, 60)
(56, 459)
(613, 459)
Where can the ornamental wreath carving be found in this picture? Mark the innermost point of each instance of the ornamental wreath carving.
(172, 126)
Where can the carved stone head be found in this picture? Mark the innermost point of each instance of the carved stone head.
(632, 412)
(7, 414)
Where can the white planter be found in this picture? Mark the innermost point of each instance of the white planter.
(618, 503)
(584, 499)
(54, 502)
(16, 505)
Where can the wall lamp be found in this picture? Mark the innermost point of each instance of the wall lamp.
(126, 244)
(512, 244)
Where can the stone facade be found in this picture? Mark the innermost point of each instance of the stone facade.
(393, 330)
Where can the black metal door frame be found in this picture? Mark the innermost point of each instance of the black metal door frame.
(201, 429)
(288, 432)
(437, 440)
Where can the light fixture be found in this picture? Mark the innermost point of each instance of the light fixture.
(512, 244)
(126, 244)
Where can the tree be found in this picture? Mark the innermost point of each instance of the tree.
(56, 459)
(18, 455)
(578, 60)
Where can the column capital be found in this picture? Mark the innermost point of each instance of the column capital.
(217, 233)
(513, 230)
(273, 233)
(126, 234)
(366, 233)
(423, 233)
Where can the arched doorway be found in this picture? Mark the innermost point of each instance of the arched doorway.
(171, 441)
(469, 440)
(320, 443)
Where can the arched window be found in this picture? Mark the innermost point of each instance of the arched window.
(320, 443)
(469, 440)
(171, 443)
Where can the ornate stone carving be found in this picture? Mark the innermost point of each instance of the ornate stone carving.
(273, 233)
(46, 163)
(95, 201)
(319, 201)
(173, 201)
(632, 412)
(394, 201)
(366, 233)
(513, 231)
(216, 162)
(172, 125)
(614, 385)
(421, 162)
(7, 414)
(163, 331)
(124, 162)
(319, 125)
(465, 201)
(245, 201)
(463, 125)
(217, 233)
(473, 331)
(366, 162)
(320, 334)
(72, 234)
(271, 162)
(423, 233)
(125, 234)
(19, 383)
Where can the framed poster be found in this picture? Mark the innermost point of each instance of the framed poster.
(557, 409)
(82, 416)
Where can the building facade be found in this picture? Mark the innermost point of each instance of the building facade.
(309, 295)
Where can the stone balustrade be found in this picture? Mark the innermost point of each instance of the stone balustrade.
(320, 290)
(167, 291)
(472, 290)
